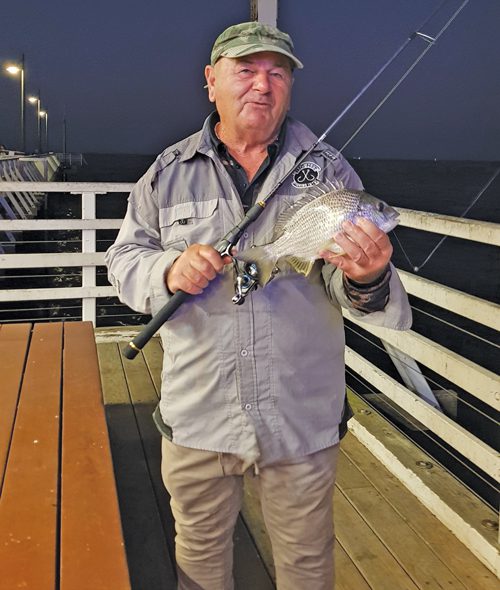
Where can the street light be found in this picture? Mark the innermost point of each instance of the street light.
(36, 100)
(45, 115)
(14, 71)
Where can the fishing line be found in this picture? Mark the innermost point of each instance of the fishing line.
(430, 42)
(448, 451)
(225, 245)
(432, 381)
(433, 251)
(437, 318)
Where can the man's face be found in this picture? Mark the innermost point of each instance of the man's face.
(251, 92)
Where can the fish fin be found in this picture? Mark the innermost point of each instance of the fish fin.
(317, 192)
(332, 246)
(329, 185)
(263, 260)
(335, 248)
(300, 265)
(285, 216)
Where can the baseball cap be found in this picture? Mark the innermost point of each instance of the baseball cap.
(252, 37)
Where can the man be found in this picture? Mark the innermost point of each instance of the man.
(260, 385)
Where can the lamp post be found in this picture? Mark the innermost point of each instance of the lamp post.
(14, 71)
(37, 100)
(45, 115)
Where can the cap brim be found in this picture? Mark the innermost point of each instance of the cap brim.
(243, 50)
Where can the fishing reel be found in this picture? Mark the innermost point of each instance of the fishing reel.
(246, 280)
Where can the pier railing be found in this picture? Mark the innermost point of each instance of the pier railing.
(447, 397)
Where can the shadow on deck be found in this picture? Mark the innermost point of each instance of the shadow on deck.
(386, 539)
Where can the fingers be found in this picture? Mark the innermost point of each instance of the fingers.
(367, 250)
(195, 268)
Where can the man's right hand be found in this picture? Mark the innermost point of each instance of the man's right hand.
(195, 268)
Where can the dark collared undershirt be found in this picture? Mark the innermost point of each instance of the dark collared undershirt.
(248, 191)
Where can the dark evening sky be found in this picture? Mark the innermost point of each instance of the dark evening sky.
(129, 75)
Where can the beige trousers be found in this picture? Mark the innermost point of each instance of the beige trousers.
(206, 490)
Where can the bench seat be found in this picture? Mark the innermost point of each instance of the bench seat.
(59, 516)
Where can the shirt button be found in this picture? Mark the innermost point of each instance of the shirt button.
(244, 352)
(248, 407)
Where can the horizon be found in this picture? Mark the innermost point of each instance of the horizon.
(127, 83)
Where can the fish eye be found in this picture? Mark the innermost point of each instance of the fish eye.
(380, 206)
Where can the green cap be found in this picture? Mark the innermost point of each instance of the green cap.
(253, 37)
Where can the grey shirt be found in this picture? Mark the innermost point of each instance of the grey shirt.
(264, 380)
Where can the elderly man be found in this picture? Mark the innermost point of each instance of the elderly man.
(258, 386)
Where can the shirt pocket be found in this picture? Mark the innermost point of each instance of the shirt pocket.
(196, 222)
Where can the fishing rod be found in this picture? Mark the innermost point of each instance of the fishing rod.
(247, 279)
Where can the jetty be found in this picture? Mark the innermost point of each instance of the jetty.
(78, 447)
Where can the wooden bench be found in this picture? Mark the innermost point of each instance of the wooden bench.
(59, 517)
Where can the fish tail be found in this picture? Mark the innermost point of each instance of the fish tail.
(264, 260)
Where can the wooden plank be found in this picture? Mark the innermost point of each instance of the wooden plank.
(465, 566)
(28, 508)
(114, 384)
(56, 293)
(92, 551)
(14, 341)
(58, 224)
(65, 259)
(153, 355)
(140, 382)
(375, 562)
(67, 187)
(249, 569)
(392, 528)
(347, 575)
(477, 380)
(441, 493)
(473, 308)
(150, 558)
(456, 436)
(485, 232)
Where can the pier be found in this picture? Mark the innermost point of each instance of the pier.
(403, 519)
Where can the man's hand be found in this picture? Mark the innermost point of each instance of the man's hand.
(367, 251)
(195, 268)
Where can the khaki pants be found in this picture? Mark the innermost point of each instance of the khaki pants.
(206, 490)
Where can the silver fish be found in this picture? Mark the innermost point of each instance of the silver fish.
(307, 227)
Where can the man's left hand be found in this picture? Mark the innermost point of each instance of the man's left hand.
(367, 251)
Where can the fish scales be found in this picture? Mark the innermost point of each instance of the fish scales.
(308, 226)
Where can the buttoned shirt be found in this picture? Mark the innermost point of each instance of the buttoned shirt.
(265, 375)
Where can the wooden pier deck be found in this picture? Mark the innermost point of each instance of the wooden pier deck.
(65, 526)
(386, 539)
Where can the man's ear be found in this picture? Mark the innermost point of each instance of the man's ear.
(210, 78)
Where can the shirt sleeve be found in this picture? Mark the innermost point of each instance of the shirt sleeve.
(138, 261)
(368, 297)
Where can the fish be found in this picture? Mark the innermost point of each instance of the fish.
(307, 227)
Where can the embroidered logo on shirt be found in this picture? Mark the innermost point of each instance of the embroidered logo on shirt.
(307, 174)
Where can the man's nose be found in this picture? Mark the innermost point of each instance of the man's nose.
(261, 82)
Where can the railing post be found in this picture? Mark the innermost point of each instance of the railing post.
(89, 245)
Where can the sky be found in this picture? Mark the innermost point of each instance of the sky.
(128, 76)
